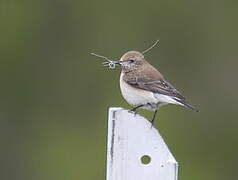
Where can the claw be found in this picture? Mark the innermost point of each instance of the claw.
(134, 112)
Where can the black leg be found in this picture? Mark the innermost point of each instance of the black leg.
(135, 108)
(152, 121)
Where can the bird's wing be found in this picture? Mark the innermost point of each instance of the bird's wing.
(153, 81)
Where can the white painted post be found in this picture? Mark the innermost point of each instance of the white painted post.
(131, 139)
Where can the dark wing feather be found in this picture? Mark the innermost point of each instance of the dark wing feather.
(148, 78)
(159, 86)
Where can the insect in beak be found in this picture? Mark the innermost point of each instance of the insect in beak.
(112, 63)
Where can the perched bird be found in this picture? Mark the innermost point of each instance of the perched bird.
(143, 86)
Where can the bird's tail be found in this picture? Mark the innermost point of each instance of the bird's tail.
(187, 105)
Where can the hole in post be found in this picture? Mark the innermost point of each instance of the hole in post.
(145, 159)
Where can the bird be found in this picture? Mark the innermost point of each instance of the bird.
(143, 86)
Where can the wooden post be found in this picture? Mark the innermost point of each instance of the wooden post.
(135, 150)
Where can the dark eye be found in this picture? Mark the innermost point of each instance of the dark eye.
(131, 61)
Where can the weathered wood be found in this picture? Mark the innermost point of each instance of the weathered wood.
(130, 137)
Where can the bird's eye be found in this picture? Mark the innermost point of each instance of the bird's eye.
(131, 61)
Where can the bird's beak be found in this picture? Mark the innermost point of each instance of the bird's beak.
(119, 62)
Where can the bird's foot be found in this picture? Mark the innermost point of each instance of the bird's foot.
(133, 112)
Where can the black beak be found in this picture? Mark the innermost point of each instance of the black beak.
(119, 62)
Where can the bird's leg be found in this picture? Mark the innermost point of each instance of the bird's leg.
(135, 108)
(153, 119)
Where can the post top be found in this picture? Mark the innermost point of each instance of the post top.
(131, 139)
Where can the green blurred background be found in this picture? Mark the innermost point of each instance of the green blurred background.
(54, 95)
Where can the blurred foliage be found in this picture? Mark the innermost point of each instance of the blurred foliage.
(54, 95)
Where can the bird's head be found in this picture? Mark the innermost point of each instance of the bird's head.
(131, 60)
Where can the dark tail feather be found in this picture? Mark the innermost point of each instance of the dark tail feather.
(187, 105)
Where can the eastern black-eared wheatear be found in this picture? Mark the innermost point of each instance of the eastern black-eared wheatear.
(143, 86)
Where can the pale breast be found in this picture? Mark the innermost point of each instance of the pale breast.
(136, 96)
